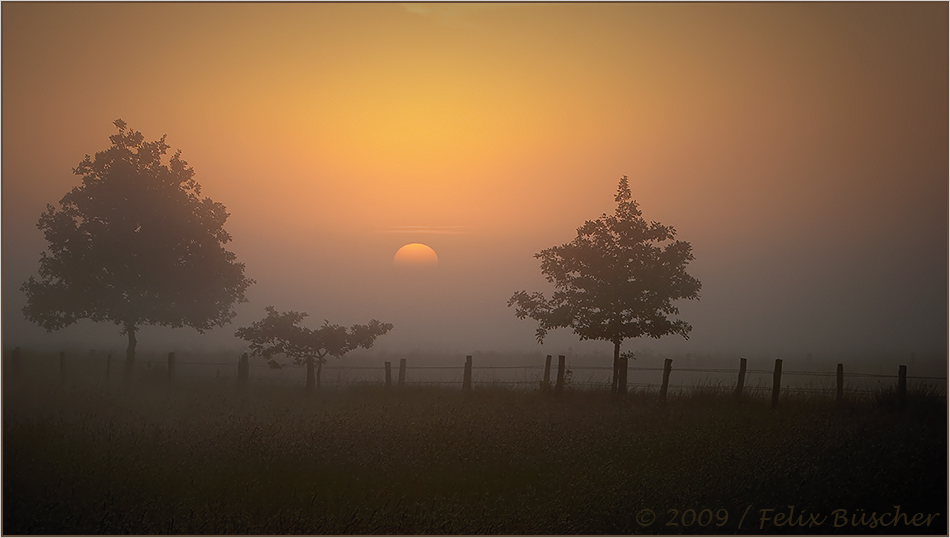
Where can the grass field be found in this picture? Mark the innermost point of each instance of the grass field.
(203, 457)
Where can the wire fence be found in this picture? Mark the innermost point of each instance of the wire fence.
(532, 376)
(526, 376)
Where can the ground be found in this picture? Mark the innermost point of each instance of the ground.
(205, 456)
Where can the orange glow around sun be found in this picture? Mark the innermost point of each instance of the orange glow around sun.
(415, 255)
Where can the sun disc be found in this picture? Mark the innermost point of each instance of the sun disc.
(415, 255)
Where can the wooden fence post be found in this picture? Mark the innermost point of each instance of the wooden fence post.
(839, 392)
(901, 387)
(402, 372)
(171, 366)
(622, 370)
(389, 373)
(547, 373)
(740, 383)
(776, 382)
(667, 368)
(560, 374)
(62, 366)
(467, 376)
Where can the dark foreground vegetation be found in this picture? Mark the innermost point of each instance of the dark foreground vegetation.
(204, 457)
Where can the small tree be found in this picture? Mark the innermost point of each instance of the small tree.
(279, 334)
(135, 245)
(616, 280)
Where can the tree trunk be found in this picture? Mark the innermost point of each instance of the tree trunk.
(615, 383)
(622, 371)
(129, 351)
(309, 374)
(319, 368)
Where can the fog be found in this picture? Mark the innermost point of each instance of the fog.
(802, 150)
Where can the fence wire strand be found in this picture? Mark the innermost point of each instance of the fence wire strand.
(582, 368)
(536, 370)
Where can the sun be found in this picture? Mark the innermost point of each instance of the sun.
(415, 255)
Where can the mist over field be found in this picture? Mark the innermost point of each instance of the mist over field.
(474, 269)
(801, 149)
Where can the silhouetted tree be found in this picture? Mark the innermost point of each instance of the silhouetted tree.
(135, 245)
(616, 280)
(279, 334)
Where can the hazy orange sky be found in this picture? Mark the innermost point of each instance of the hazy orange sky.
(802, 148)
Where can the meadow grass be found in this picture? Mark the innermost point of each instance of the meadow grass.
(205, 457)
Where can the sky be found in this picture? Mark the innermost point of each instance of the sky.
(800, 148)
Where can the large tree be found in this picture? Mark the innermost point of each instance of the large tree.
(279, 334)
(616, 280)
(135, 245)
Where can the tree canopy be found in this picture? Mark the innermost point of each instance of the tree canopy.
(616, 280)
(135, 245)
(279, 334)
